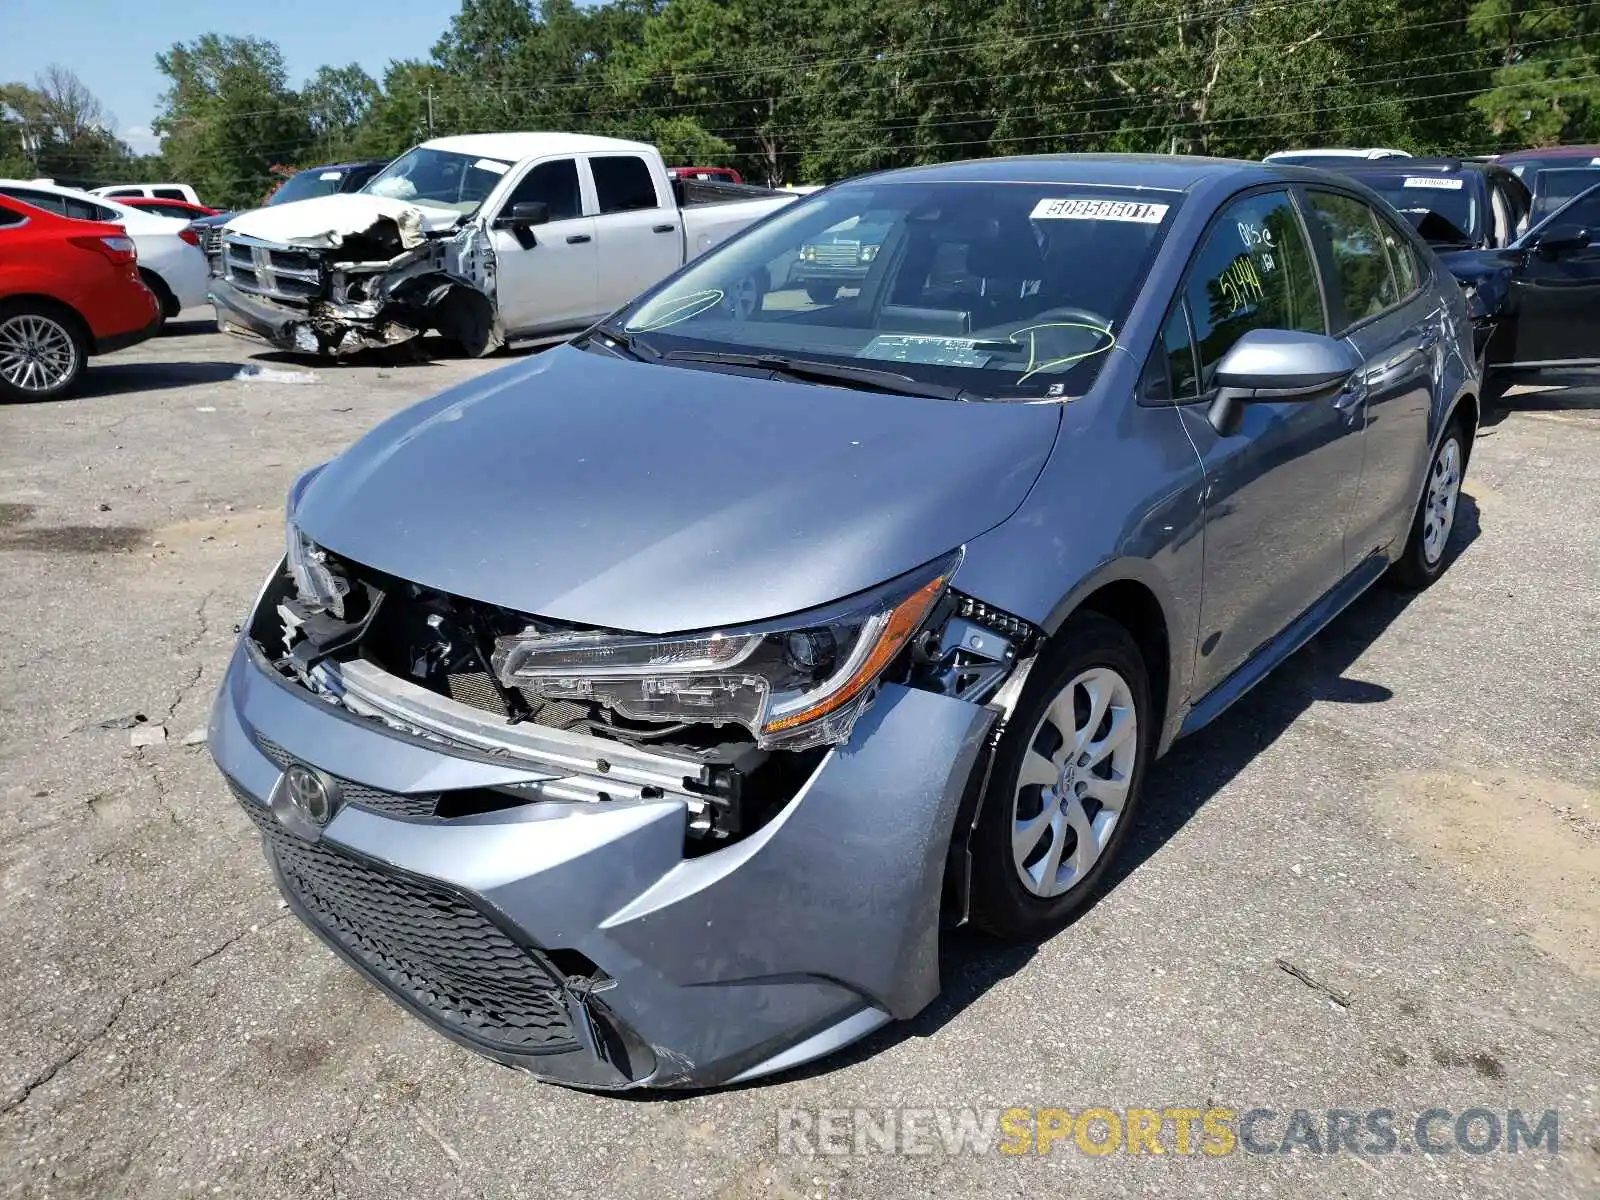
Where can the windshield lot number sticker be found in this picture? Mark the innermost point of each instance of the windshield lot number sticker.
(1446, 185)
(1099, 210)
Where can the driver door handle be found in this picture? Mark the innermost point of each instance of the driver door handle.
(663, 229)
(574, 238)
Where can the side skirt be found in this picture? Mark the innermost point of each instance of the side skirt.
(1300, 631)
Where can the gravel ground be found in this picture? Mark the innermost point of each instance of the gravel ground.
(1408, 813)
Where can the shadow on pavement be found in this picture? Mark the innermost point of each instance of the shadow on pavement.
(1196, 769)
(111, 378)
(1541, 391)
(178, 327)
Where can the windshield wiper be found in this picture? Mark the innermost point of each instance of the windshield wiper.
(815, 371)
(629, 343)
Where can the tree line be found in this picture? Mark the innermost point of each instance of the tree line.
(815, 90)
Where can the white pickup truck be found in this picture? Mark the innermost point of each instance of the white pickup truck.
(486, 238)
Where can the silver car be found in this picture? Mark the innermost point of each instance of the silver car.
(639, 714)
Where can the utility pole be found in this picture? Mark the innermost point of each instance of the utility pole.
(430, 110)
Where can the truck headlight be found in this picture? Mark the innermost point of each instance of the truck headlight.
(868, 253)
(794, 683)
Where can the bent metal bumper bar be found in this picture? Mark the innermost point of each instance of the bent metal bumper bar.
(675, 971)
(593, 768)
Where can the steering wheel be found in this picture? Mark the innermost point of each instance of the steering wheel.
(1069, 317)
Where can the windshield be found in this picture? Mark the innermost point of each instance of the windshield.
(1553, 187)
(439, 179)
(1004, 289)
(1443, 208)
(1526, 168)
(306, 184)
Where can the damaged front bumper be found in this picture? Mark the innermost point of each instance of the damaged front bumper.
(573, 936)
(318, 328)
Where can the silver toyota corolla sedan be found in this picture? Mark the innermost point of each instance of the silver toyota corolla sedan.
(637, 715)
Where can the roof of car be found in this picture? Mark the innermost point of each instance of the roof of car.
(1165, 172)
(518, 146)
(1417, 166)
(1517, 156)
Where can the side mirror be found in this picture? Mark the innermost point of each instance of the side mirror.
(1556, 240)
(1274, 366)
(529, 212)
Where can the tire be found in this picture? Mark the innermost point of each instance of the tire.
(166, 302)
(1091, 653)
(822, 293)
(42, 350)
(1428, 544)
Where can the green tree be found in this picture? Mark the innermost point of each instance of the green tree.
(1545, 88)
(337, 100)
(229, 116)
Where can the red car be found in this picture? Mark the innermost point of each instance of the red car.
(714, 174)
(181, 209)
(68, 289)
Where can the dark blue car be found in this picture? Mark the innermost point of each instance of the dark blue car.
(638, 714)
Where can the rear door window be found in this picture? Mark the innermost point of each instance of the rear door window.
(1361, 266)
(1253, 271)
(623, 183)
(170, 194)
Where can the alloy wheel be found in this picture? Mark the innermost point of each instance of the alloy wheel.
(37, 353)
(1444, 489)
(1074, 782)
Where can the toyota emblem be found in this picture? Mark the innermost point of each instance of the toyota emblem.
(310, 792)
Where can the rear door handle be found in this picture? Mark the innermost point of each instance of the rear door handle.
(664, 229)
(574, 238)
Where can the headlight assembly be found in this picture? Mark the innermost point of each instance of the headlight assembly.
(793, 683)
(314, 578)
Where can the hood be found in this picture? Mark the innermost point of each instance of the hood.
(657, 499)
(323, 222)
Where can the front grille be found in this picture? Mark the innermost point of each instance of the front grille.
(211, 240)
(836, 254)
(425, 942)
(281, 272)
(360, 795)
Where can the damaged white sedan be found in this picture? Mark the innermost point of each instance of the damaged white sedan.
(486, 238)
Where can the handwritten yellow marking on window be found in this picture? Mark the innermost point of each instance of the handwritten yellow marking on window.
(1241, 284)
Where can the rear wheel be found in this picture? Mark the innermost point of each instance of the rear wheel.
(42, 351)
(166, 302)
(1066, 782)
(1423, 559)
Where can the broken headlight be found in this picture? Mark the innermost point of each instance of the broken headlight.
(794, 683)
(315, 579)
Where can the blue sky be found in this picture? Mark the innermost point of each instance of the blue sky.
(113, 47)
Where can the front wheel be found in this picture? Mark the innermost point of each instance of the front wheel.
(1422, 560)
(41, 352)
(1066, 781)
(822, 293)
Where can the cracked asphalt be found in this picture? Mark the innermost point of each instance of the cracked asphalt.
(1407, 816)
